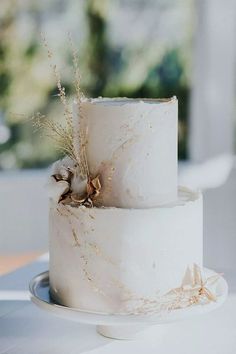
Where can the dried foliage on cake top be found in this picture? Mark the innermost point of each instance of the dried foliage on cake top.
(71, 182)
(67, 186)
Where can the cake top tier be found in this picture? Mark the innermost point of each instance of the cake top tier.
(124, 154)
(132, 145)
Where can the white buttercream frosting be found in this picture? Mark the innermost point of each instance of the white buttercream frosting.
(107, 259)
(132, 145)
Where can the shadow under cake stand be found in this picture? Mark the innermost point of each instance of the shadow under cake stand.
(120, 326)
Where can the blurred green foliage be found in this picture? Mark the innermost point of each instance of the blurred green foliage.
(27, 85)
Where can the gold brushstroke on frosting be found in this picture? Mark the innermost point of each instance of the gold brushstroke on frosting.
(97, 250)
(85, 246)
(107, 169)
(76, 238)
(89, 277)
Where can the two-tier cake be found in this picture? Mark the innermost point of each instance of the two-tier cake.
(123, 237)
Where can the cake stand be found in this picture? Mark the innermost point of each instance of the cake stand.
(120, 326)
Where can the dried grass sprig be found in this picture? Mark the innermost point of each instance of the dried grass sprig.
(77, 76)
(80, 133)
(60, 135)
(61, 89)
(70, 138)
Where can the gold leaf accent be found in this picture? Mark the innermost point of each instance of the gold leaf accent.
(94, 187)
(193, 291)
(96, 183)
(187, 278)
(197, 277)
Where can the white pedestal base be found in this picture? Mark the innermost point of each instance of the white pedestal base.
(122, 332)
(122, 326)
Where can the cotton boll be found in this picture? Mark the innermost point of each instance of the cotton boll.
(62, 167)
(57, 188)
(67, 171)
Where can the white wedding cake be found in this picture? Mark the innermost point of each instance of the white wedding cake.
(124, 238)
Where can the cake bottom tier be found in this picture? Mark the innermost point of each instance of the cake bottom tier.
(125, 260)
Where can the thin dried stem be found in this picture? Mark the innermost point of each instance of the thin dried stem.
(77, 76)
(61, 137)
(80, 134)
(71, 139)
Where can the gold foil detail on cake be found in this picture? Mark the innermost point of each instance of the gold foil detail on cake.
(89, 277)
(76, 238)
(194, 290)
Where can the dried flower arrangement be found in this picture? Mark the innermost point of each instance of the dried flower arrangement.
(194, 290)
(70, 138)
